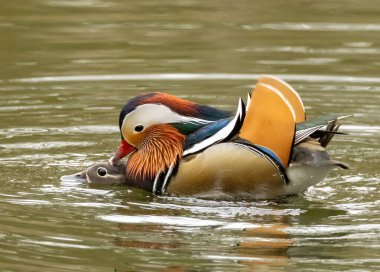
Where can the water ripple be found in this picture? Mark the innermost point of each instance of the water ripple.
(196, 76)
(44, 145)
(328, 229)
(86, 129)
(29, 202)
(78, 3)
(308, 50)
(164, 220)
(306, 61)
(315, 27)
(55, 244)
(229, 210)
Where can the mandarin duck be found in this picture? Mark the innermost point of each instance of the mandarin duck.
(265, 151)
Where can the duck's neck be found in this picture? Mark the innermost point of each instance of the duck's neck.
(161, 147)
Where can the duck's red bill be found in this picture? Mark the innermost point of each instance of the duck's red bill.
(123, 150)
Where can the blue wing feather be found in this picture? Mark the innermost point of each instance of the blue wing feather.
(205, 132)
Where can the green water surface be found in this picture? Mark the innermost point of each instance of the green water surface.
(68, 66)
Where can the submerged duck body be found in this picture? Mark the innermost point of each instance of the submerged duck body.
(265, 151)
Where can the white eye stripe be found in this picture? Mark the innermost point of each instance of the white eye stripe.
(150, 114)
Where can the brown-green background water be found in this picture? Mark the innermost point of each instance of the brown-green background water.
(67, 66)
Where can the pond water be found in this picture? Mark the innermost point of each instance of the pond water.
(67, 67)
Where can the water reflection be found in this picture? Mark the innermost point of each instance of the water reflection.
(257, 246)
(264, 248)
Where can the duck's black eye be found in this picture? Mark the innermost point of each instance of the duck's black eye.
(139, 128)
(101, 171)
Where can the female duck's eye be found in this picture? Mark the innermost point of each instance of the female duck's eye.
(101, 171)
(139, 128)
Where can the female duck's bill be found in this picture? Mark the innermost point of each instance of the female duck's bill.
(99, 173)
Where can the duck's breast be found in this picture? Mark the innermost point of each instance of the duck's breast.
(228, 170)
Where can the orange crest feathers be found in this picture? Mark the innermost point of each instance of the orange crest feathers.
(177, 104)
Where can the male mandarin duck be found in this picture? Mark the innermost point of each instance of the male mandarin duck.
(266, 150)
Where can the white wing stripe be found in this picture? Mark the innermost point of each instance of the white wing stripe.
(221, 134)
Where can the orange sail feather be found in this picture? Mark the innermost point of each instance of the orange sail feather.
(289, 93)
(270, 122)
